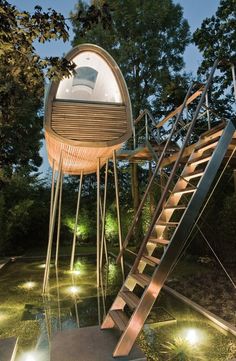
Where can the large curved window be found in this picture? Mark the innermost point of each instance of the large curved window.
(93, 81)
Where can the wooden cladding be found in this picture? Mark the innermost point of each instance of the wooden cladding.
(89, 122)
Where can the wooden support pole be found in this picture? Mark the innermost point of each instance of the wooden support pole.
(52, 192)
(50, 218)
(118, 212)
(51, 231)
(103, 239)
(72, 260)
(58, 299)
(59, 221)
(98, 222)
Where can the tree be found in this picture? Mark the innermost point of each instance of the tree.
(217, 39)
(147, 39)
(22, 82)
(21, 92)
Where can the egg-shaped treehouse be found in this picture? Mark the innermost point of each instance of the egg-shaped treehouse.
(87, 115)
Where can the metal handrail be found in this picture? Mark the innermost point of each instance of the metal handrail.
(173, 171)
(137, 215)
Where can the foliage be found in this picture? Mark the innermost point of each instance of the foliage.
(98, 12)
(21, 90)
(148, 48)
(23, 204)
(216, 39)
(181, 350)
(18, 32)
(111, 227)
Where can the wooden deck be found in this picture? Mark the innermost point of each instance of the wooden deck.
(142, 153)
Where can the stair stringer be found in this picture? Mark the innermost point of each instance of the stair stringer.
(173, 250)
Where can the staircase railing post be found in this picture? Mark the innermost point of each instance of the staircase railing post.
(176, 164)
(136, 217)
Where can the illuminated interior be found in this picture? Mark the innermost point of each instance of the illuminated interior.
(93, 81)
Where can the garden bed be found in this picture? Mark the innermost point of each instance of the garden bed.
(208, 286)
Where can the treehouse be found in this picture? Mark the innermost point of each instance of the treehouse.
(87, 115)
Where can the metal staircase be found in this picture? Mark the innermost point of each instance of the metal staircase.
(172, 221)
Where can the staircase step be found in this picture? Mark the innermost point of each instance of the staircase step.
(141, 279)
(120, 319)
(158, 241)
(167, 224)
(176, 207)
(214, 130)
(212, 143)
(130, 298)
(152, 261)
(199, 160)
(185, 191)
(196, 174)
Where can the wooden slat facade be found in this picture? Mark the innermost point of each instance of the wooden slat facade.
(86, 122)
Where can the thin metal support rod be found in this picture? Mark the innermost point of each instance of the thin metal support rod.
(76, 313)
(47, 319)
(52, 226)
(58, 299)
(204, 207)
(98, 222)
(99, 305)
(221, 264)
(72, 260)
(234, 79)
(102, 294)
(118, 212)
(146, 127)
(134, 136)
(208, 112)
(156, 170)
(59, 221)
(103, 239)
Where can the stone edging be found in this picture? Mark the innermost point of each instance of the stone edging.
(211, 316)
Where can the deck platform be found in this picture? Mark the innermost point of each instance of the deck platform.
(90, 344)
(8, 347)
